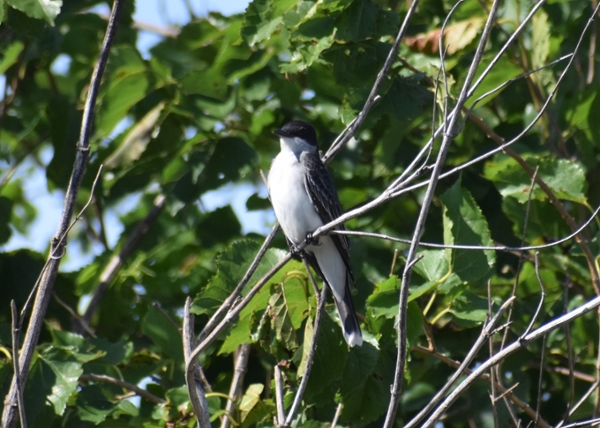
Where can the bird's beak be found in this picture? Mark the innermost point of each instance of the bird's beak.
(281, 133)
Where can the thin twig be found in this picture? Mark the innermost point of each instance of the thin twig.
(192, 375)
(491, 351)
(91, 377)
(473, 247)
(586, 424)
(484, 377)
(406, 276)
(228, 303)
(309, 359)
(338, 412)
(279, 397)
(582, 400)
(311, 277)
(520, 343)
(539, 391)
(569, 349)
(15, 358)
(60, 243)
(241, 366)
(542, 295)
(44, 291)
(74, 315)
(373, 95)
(487, 329)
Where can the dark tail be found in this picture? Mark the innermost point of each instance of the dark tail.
(345, 307)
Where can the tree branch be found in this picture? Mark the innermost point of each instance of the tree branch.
(192, 375)
(412, 252)
(309, 359)
(485, 377)
(521, 342)
(15, 358)
(44, 291)
(122, 384)
(241, 366)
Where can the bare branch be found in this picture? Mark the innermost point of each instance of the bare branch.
(309, 359)
(279, 397)
(74, 315)
(44, 291)
(488, 328)
(406, 276)
(579, 403)
(338, 412)
(241, 366)
(349, 132)
(542, 296)
(228, 303)
(122, 384)
(192, 375)
(15, 357)
(473, 247)
(521, 342)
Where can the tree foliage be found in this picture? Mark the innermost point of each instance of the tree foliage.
(195, 115)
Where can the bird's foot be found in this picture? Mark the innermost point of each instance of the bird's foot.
(310, 240)
(295, 252)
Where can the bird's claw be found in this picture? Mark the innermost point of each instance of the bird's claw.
(295, 252)
(310, 240)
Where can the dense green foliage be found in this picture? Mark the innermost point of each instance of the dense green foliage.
(197, 114)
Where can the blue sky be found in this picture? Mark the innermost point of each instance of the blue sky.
(50, 204)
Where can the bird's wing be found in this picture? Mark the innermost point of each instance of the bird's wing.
(324, 197)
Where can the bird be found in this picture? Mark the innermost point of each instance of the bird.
(304, 198)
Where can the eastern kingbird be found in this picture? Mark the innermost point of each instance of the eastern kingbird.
(304, 199)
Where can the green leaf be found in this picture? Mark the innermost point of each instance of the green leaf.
(163, 333)
(54, 376)
(248, 329)
(330, 355)
(218, 226)
(262, 18)
(465, 224)
(232, 264)
(357, 22)
(125, 86)
(295, 293)
(434, 264)
(565, 178)
(11, 55)
(136, 140)
(88, 349)
(502, 71)
(230, 155)
(210, 83)
(250, 399)
(540, 41)
(38, 9)
(92, 404)
(384, 299)
(249, 319)
(281, 322)
(469, 308)
(3, 12)
(363, 394)
(306, 54)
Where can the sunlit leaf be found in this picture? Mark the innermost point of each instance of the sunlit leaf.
(39, 9)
